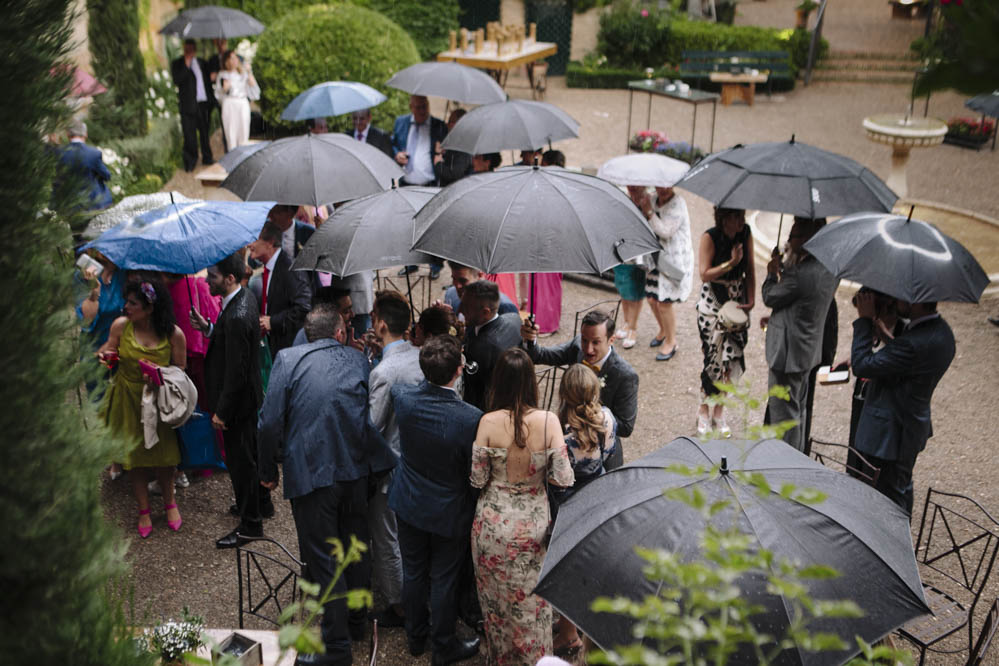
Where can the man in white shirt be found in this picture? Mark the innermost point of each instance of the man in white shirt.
(190, 75)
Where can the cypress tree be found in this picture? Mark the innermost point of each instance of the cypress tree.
(113, 31)
(57, 554)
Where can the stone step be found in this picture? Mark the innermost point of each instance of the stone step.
(867, 65)
(861, 76)
(871, 55)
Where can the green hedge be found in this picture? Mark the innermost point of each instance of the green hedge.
(158, 154)
(113, 35)
(633, 38)
(330, 43)
(580, 75)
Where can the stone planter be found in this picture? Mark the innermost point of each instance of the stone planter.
(975, 141)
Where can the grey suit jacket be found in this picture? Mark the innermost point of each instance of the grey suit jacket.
(400, 364)
(800, 302)
(895, 422)
(619, 381)
(485, 348)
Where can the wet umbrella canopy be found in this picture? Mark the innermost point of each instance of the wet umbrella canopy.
(129, 208)
(449, 80)
(787, 177)
(332, 98)
(856, 530)
(514, 125)
(211, 22)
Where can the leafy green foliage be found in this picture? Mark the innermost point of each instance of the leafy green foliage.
(330, 43)
(428, 22)
(632, 37)
(265, 11)
(113, 33)
(738, 399)
(158, 153)
(60, 557)
(962, 52)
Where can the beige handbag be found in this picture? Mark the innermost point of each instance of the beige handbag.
(731, 318)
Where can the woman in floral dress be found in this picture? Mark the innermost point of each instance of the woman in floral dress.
(516, 448)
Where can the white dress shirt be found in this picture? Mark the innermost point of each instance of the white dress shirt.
(288, 241)
(420, 168)
(200, 94)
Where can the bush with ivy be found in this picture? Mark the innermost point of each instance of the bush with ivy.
(331, 43)
(633, 37)
(113, 35)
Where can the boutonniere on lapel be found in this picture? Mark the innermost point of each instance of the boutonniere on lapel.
(603, 382)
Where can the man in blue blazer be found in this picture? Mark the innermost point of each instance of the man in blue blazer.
(433, 500)
(329, 448)
(895, 422)
(85, 163)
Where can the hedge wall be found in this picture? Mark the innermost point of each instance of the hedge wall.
(344, 42)
(113, 33)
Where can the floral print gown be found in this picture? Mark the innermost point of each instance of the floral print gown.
(507, 548)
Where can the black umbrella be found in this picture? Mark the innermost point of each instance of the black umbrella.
(513, 125)
(232, 159)
(313, 170)
(905, 258)
(211, 22)
(788, 177)
(533, 219)
(856, 530)
(987, 104)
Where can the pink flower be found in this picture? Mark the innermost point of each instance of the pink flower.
(645, 13)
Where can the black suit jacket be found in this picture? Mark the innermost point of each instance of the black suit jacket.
(377, 138)
(485, 348)
(619, 391)
(289, 299)
(430, 489)
(187, 84)
(232, 363)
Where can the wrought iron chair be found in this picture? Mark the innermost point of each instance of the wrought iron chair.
(548, 381)
(977, 656)
(958, 550)
(268, 576)
(582, 313)
(850, 461)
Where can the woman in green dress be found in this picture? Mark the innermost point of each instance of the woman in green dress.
(147, 331)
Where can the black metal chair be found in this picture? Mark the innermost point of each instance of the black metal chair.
(582, 313)
(268, 576)
(977, 656)
(548, 381)
(850, 461)
(956, 552)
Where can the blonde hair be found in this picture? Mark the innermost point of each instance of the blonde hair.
(579, 394)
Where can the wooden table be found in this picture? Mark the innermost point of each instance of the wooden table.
(499, 65)
(695, 97)
(738, 86)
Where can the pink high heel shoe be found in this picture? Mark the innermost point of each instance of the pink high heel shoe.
(144, 531)
(173, 524)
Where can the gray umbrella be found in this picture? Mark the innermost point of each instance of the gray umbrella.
(856, 530)
(367, 234)
(314, 170)
(908, 259)
(533, 219)
(987, 104)
(230, 160)
(211, 22)
(788, 177)
(129, 208)
(514, 125)
(448, 80)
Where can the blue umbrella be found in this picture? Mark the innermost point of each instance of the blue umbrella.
(183, 237)
(332, 98)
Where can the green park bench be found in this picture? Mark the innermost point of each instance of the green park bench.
(699, 65)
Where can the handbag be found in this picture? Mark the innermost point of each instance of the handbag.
(198, 443)
(731, 318)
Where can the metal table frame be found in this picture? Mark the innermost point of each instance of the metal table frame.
(695, 97)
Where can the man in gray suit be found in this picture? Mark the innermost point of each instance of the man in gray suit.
(593, 348)
(400, 365)
(895, 422)
(487, 335)
(799, 291)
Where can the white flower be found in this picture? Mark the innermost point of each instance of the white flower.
(124, 161)
(116, 190)
(152, 93)
(603, 382)
(156, 76)
(149, 112)
(160, 103)
(166, 114)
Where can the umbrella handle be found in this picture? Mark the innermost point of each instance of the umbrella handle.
(409, 295)
(532, 298)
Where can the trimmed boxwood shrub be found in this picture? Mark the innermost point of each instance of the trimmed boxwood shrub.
(113, 34)
(633, 38)
(331, 43)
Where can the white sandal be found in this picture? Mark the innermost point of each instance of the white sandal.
(630, 341)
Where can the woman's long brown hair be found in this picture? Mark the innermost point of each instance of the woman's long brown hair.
(514, 387)
(579, 394)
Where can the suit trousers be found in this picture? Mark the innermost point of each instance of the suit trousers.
(792, 409)
(334, 511)
(386, 560)
(895, 479)
(431, 566)
(195, 126)
(240, 441)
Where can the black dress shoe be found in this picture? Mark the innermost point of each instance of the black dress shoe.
(236, 537)
(475, 623)
(417, 646)
(459, 651)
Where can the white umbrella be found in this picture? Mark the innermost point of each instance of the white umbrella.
(645, 169)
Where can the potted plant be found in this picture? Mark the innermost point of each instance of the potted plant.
(171, 640)
(647, 141)
(969, 132)
(803, 11)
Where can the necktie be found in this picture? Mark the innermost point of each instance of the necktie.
(360, 136)
(592, 366)
(263, 292)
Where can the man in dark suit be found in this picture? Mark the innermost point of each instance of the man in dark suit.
(487, 335)
(452, 165)
(329, 448)
(85, 166)
(416, 141)
(285, 296)
(365, 131)
(593, 348)
(194, 92)
(433, 500)
(895, 422)
(232, 379)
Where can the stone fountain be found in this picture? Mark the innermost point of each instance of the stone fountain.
(903, 133)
